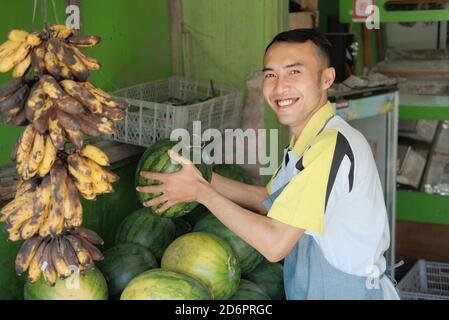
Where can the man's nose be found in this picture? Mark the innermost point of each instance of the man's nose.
(281, 86)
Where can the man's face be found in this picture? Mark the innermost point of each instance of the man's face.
(293, 83)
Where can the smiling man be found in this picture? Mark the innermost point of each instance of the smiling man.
(323, 210)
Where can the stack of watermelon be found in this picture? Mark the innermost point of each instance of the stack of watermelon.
(198, 257)
(184, 254)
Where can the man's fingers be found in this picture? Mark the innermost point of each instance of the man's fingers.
(151, 189)
(178, 158)
(154, 175)
(165, 206)
(156, 201)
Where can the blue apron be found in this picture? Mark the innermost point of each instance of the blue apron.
(307, 273)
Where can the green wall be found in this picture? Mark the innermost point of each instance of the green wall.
(135, 43)
(225, 41)
(135, 48)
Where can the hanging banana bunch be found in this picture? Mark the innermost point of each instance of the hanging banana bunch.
(50, 95)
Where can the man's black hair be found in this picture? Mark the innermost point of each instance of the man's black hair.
(304, 35)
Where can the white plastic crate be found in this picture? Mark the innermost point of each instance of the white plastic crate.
(425, 281)
(150, 117)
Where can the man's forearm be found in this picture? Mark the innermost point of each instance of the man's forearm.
(257, 230)
(248, 196)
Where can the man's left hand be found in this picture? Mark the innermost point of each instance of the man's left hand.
(176, 187)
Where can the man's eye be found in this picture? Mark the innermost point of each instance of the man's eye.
(269, 75)
(295, 72)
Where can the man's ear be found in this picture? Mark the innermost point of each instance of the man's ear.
(328, 77)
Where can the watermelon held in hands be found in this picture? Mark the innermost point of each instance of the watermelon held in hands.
(124, 262)
(145, 228)
(234, 172)
(158, 284)
(248, 257)
(156, 159)
(206, 258)
(89, 286)
(248, 290)
(270, 278)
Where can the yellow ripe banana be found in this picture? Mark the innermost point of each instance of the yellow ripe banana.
(98, 173)
(25, 186)
(51, 87)
(76, 137)
(49, 158)
(76, 162)
(34, 271)
(93, 250)
(26, 254)
(52, 64)
(73, 211)
(49, 270)
(58, 176)
(34, 39)
(82, 95)
(8, 47)
(102, 187)
(95, 154)
(7, 62)
(55, 219)
(18, 217)
(112, 177)
(61, 31)
(40, 210)
(38, 58)
(56, 131)
(15, 204)
(22, 51)
(18, 35)
(84, 41)
(22, 67)
(37, 97)
(57, 256)
(90, 63)
(24, 151)
(37, 155)
(101, 95)
(44, 230)
(85, 189)
(65, 71)
(81, 252)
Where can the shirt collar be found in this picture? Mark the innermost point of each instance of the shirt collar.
(312, 128)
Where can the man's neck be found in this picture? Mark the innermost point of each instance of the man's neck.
(296, 130)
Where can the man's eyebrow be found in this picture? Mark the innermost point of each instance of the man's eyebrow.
(296, 64)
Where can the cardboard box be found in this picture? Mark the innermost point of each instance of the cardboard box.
(437, 174)
(303, 20)
(410, 165)
(441, 144)
(421, 130)
(309, 5)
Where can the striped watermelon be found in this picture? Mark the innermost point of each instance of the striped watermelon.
(206, 258)
(248, 257)
(145, 228)
(196, 214)
(182, 226)
(270, 278)
(234, 172)
(158, 284)
(90, 286)
(122, 263)
(156, 159)
(249, 291)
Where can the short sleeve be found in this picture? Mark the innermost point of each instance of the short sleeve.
(302, 203)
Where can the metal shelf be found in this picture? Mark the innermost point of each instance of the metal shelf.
(394, 16)
(422, 207)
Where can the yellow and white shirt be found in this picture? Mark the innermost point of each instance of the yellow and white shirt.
(335, 194)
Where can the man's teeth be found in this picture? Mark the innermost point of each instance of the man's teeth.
(287, 102)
